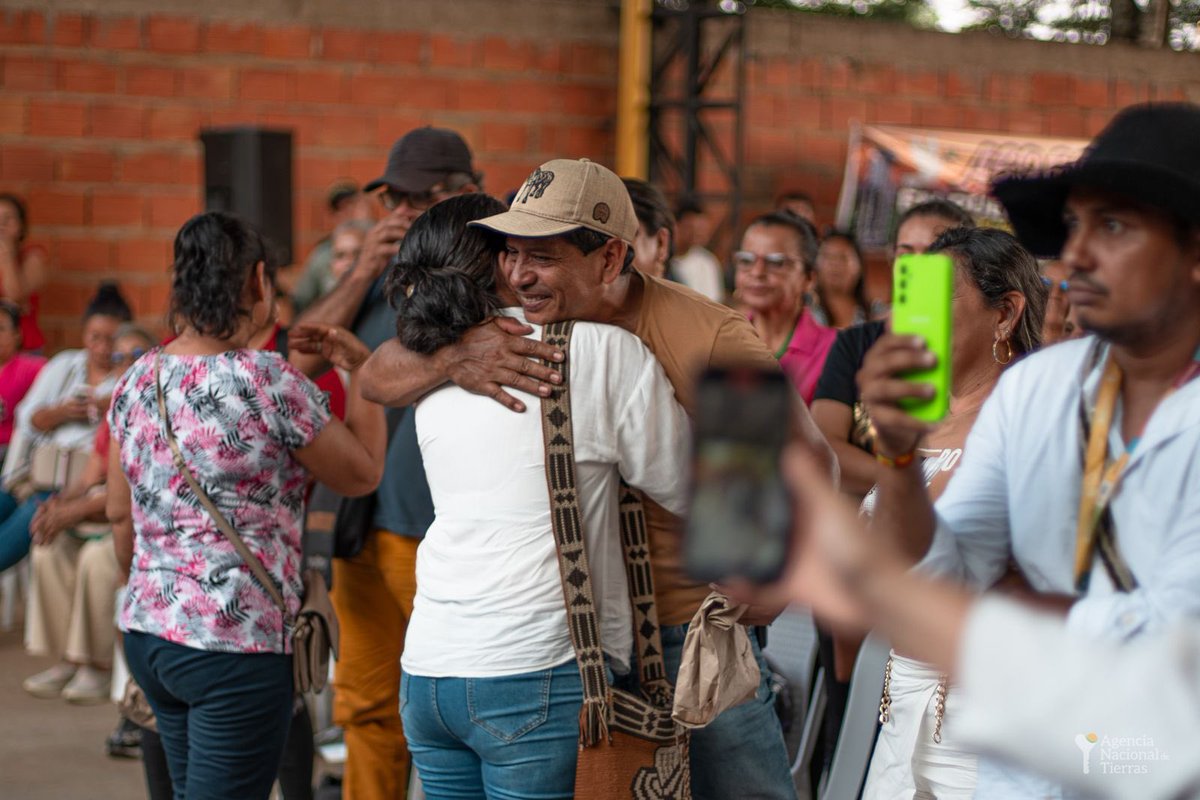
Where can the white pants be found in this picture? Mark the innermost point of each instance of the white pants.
(907, 762)
(71, 607)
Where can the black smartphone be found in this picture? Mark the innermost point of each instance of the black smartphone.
(739, 522)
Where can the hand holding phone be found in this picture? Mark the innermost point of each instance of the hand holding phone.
(739, 523)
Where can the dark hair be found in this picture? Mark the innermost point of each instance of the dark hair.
(587, 241)
(650, 207)
(443, 280)
(860, 286)
(793, 194)
(940, 208)
(108, 302)
(809, 242)
(997, 264)
(215, 255)
(688, 205)
(22, 212)
(13, 312)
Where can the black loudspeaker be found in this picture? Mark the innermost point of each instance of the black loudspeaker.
(248, 172)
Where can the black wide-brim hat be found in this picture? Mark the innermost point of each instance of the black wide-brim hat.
(1148, 153)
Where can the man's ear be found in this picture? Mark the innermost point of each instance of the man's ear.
(614, 252)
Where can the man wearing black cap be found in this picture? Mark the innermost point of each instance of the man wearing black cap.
(373, 591)
(1083, 462)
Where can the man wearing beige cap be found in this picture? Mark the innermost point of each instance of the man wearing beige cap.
(569, 256)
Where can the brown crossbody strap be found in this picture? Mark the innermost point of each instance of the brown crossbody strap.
(256, 567)
(575, 573)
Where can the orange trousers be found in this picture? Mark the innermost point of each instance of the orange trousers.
(373, 596)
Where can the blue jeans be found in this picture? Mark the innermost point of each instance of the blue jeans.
(510, 738)
(742, 753)
(14, 527)
(223, 717)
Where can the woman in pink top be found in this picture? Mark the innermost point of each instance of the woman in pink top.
(22, 268)
(17, 370)
(774, 269)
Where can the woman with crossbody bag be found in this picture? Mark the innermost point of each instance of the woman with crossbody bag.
(491, 692)
(212, 435)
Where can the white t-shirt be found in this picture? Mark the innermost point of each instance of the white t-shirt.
(489, 598)
(698, 269)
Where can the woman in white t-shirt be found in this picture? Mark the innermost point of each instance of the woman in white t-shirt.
(490, 694)
(999, 302)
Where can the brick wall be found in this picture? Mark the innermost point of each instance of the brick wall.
(99, 111)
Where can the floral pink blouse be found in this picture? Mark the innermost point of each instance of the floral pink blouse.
(237, 416)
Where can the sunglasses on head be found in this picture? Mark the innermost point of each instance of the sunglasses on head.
(120, 358)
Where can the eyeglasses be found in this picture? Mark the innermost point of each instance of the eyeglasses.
(417, 201)
(775, 262)
(1050, 284)
(120, 358)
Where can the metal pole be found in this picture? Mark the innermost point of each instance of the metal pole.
(691, 46)
(633, 90)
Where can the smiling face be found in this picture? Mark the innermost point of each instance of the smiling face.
(1132, 279)
(553, 279)
(769, 269)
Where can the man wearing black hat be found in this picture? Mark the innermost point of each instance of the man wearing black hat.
(373, 591)
(1082, 464)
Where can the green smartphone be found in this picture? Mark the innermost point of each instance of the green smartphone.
(922, 293)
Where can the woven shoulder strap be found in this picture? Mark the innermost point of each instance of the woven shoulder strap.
(256, 567)
(575, 573)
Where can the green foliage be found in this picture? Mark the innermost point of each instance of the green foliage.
(913, 12)
(1090, 21)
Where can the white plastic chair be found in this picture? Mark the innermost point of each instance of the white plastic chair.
(856, 742)
(12, 580)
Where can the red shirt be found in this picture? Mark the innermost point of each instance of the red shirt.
(15, 379)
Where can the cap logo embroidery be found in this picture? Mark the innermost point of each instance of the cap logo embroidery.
(600, 213)
(535, 186)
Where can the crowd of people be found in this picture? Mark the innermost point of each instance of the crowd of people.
(1028, 557)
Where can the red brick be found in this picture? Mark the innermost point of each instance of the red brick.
(261, 84)
(155, 300)
(210, 83)
(22, 27)
(394, 47)
(504, 137)
(70, 30)
(1125, 93)
(1002, 88)
(304, 127)
(1096, 120)
(287, 42)
(173, 34)
(390, 127)
(591, 59)
(430, 93)
(982, 118)
(1049, 89)
(174, 122)
(28, 74)
(84, 166)
(117, 122)
(919, 83)
(143, 255)
(56, 208)
(552, 58)
(839, 74)
(152, 167)
(24, 163)
(337, 130)
(323, 172)
(449, 51)
(477, 94)
(824, 149)
(877, 80)
(938, 116)
(115, 209)
(150, 81)
(168, 211)
(891, 111)
(964, 85)
(1090, 92)
(14, 111)
(347, 45)
(56, 119)
(506, 177)
(323, 87)
(228, 37)
(116, 34)
(1024, 120)
(594, 101)
(838, 112)
(93, 255)
(505, 54)
(377, 90)
(1065, 122)
(809, 73)
(86, 76)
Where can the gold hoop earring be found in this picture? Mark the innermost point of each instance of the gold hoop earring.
(1008, 352)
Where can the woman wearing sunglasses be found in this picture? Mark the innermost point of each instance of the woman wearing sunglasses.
(774, 270)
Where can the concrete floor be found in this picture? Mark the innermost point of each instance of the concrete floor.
(50, 749)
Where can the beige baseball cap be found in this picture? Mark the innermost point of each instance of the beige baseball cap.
(565, 194)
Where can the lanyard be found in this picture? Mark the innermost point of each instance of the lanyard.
(1101, 474)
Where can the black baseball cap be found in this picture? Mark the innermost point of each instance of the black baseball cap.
(422, 158)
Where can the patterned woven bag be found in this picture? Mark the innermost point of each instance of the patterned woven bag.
(629, 747)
